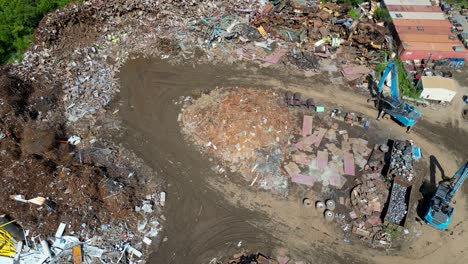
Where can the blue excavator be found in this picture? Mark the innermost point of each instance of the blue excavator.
(404, 113)
(440, 212)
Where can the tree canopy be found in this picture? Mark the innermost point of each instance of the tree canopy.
(18, 19)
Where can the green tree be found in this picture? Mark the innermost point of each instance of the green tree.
(18, 19)
(382, 14)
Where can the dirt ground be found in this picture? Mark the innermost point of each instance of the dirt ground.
(210, 217)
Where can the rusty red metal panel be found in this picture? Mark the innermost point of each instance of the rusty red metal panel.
(422, 23)
(423, 31)
(407, 8)
(430, 46)
(433, 38)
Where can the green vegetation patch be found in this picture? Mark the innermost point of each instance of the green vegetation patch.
(382, 14)
(405, 85)
(18, 19)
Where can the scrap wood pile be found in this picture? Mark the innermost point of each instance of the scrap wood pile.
(246, 129)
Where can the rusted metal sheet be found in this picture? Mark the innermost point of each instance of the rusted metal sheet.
(423, 31)
(430, 46)
(413, 54)
(412, 8)
(422, 23)
(429, 38)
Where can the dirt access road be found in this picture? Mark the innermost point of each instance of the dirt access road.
(208, 216)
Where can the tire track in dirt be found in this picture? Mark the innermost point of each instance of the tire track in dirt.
(200, 224)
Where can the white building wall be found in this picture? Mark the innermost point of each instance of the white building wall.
(438, 94)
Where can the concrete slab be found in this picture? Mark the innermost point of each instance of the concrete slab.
(349, 167)
(322, 159)
(303, 179)
(307, 126)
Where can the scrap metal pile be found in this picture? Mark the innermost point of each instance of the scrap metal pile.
(324, 154)
(397, 207)
(73, 66)
(53, 180)
(402, 161)
(71, 52)
(246, 129)
(304, 30)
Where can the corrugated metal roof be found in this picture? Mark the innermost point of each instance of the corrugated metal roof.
(436, 55)
(430, 46)
(410, 8)
(429, 82)
(422, 22)
(429, 38)
(423, 30)
(408, 2)
(418, 15)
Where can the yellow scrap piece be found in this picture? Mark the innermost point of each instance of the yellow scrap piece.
(77, 255)
(262, 31)
(7, 244)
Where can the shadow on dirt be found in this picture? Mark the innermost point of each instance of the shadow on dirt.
(428, 188)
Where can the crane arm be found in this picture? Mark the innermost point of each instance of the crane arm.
(391, 66)
(459, 177)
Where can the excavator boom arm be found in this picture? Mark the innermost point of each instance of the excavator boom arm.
(459, 177)
(391, 67)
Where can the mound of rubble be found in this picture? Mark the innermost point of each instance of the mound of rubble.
(65, 82)
(246, 129)
(48, 182)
